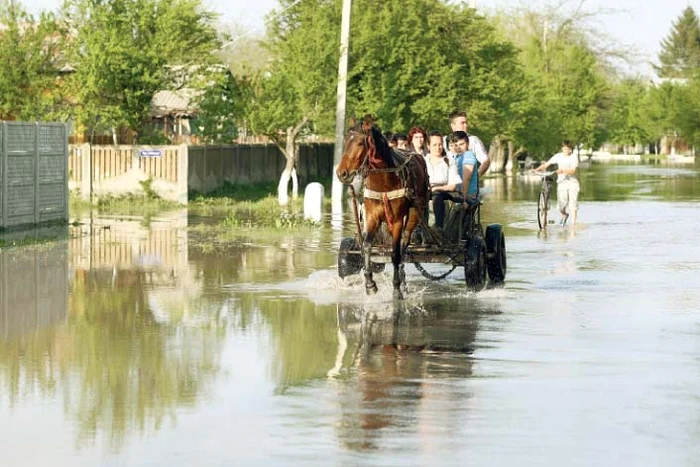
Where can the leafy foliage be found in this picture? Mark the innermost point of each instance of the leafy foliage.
(30, 87)
(566, 92)
(680, 50)
(120, 50)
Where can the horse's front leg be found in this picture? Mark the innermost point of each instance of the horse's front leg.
(397, 259)
(370, 285)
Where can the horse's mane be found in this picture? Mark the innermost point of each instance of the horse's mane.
(379, 149)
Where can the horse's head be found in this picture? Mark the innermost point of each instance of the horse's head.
(360, 149)
(354, 152)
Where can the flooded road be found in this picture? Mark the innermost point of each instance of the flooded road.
(133, 342)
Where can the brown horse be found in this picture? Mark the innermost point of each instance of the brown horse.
(396, 192)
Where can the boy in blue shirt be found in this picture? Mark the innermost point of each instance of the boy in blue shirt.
(467, 167)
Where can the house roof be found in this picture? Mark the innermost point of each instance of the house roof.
(178, 102)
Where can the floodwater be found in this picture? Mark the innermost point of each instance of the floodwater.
(132, 342)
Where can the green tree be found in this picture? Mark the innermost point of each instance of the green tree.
(628, 122)
(296, 93)
(567, 78)
(680, 50)
(120, 49)
(29, 53)
(411, 63)
(222, 105)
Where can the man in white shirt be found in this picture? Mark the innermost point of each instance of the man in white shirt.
(567, 185)
(459, 122)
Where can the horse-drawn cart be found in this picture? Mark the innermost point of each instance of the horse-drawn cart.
(395, 198)
(464, 243)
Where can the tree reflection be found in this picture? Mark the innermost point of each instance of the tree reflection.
(116, 366)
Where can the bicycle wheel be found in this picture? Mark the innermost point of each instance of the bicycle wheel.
(542, 207)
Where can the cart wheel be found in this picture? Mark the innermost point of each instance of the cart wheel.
(475, 264)
(496, 253)
(542, 207)
(348, 263)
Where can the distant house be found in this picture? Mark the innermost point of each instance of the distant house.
(173, 113)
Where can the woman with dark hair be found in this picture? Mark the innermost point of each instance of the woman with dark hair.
(417, 140)
(443, 177)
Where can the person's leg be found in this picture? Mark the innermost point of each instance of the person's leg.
(573, 202)
(439, 208)
(563, 201)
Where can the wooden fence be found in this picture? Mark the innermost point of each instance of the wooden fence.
(120, 170)
(173, 171)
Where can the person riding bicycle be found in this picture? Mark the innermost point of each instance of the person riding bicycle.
(567, 185)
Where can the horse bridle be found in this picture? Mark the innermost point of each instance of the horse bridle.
(364, 169)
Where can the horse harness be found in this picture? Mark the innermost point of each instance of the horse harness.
(402, 172)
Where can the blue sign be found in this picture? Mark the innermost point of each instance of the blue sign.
(150, 153)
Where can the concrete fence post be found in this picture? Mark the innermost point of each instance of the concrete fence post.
(85, 183)
(36, 173)
(182, 173)
(5, 179)
(313, 201)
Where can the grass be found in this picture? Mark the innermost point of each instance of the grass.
(45, 234)
(231, 208)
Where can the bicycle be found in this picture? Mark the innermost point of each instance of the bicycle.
(543, 198)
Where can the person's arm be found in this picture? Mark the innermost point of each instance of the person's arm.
(541, 167)
(468, 170)
(484, 166)
(544, 165)
(477, 147)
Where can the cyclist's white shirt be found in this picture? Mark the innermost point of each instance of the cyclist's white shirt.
(443, 173)
(564, 162)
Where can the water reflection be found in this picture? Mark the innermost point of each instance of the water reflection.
(33, 289)
(119, 356)
(404, 364)
(136, 336)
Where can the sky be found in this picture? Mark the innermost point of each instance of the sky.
(639, 24)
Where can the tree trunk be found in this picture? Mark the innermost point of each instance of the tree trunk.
(289, 172)
(497, 156)
(510, 165)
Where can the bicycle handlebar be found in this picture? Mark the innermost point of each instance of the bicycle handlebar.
(543, 174)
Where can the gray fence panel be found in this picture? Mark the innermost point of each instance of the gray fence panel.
(228, 165)
(33, 173)
(3, 170)
(212, 166)
(195, 168)
(52, 201)
(21, 173)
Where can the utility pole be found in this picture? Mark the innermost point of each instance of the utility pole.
(337, 188)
